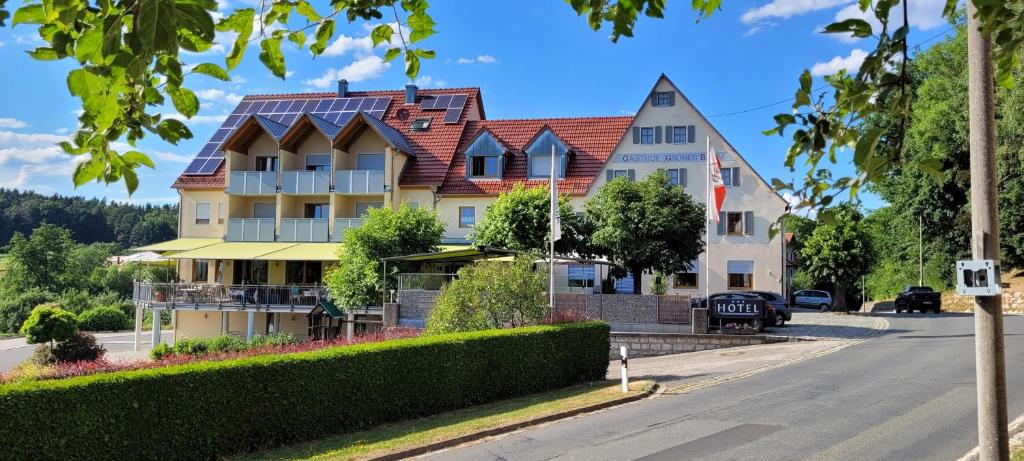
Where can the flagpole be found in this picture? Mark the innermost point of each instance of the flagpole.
(707, 225)
(551, 259)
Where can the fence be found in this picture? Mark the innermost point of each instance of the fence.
(217, 295)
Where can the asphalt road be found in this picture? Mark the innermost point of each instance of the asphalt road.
(908, 393)
(14, 351)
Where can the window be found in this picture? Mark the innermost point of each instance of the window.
(264, 210)
(676, 176)
(318, 162)
(647, 135)
(315, 210)
(688, 279)
(200, 270)
(249, 271)
(741, 274)
(581, 276)
(370, 162)
(362, 208)
(203, 213)
(303, 272)
(734, 223)
(624, 285)
(220, 213)
(731, 176)
(266, 163)
(483, 167)
(661, 99)
(467, 216)
(679, 135)
(628, 174)
(420, 124)
(413, 205)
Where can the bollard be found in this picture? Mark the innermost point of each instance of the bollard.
(625, 375)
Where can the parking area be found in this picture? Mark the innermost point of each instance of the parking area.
(814, 324)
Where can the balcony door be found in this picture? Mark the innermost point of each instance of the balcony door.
(266, 163)
(250, 272)
(316, 210)
(370, 162)
(318, 162)
(363, 207)
(264, 210)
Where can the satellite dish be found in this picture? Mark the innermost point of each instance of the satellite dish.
(403, 114)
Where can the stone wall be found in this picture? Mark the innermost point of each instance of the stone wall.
(618, 309)
(653, 344)
(1013, 301)
(415, 304)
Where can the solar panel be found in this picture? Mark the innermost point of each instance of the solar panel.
(285, 111)
(442, 102)
(454, 112)
(427, 103)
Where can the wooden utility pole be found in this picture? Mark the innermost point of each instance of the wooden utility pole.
(993, 440)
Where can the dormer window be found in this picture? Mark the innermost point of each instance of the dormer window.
(484, 157)
(539, 154)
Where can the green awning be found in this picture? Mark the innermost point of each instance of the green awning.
(331, 309)
(182, 244)
(457, 255)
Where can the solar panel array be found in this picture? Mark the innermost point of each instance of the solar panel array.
(335, 110)
(452, 104)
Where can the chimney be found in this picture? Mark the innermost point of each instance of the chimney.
(342, 88)
(410, 94)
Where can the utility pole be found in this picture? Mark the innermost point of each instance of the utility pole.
(920, 251)
(990, 360)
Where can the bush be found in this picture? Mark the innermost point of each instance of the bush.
(277, 339)
(42, 355)
(213, 409)
(490, 294)
(79, 347)
(190, 346)
(103, 319)
(75, 301)
(160, 351)
(15, 307)
(48, 322)
(226, 343)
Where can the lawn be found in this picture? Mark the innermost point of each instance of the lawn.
(413, 433)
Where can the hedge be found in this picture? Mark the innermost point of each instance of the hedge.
(102, 319)
(208, 410)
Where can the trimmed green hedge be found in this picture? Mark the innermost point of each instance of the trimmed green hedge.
(210, 409)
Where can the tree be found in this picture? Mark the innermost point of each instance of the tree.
(838, 252)
(521, 220)
(357, 279)
(648, 225)
(490, 294)
(48, 323)
(39, 260)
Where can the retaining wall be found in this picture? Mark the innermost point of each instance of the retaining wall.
(653, 344)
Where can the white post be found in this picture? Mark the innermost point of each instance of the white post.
(625, 368)
(250, 327)
(920, 250)
(156, 327)
(551, 258)
(707, 225)
(139, 312)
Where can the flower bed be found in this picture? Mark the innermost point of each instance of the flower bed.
(83, 368)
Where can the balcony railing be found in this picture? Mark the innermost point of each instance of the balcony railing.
(305, 182)
(253, 183)
(359, 182)
(304, 229)
(240, 296)
(250, 230)
(343, 224)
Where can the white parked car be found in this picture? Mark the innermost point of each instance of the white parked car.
(813, 298)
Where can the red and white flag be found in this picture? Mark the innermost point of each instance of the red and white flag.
(716, 186)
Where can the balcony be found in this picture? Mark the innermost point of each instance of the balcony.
(250, 230)
(343, 224)
(304, 229)
(305, 182)
(253, 183)
(359, 182)
(300, 298)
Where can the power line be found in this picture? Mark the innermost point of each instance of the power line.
(781, 101)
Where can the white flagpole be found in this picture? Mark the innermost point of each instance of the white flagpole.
(707, 227)
(551, 259)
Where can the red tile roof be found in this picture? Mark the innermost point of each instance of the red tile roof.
(434, 148)
(592, 140)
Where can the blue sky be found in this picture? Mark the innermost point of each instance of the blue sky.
(536, 59)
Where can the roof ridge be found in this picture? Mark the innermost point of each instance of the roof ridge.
(250, 97)
(541, 119)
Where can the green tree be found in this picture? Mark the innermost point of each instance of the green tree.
(838, 252)
(38, 261)
(645, 226)
(357, 279)
(521, 220)
(490, 294)
(48, 323)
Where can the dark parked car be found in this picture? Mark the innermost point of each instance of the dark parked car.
(921, 299)
(776, 301)
(759, 324)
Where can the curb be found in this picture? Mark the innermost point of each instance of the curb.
(435, 446)
(1016, 433)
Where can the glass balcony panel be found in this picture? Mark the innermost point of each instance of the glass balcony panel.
(250, 230)
(253, 183)
(359, 182)
(305, 182)
(343, 224)
(304, 229)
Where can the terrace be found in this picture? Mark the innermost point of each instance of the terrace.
(267, 298)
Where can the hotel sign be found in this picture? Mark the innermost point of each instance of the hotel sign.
(738, 308)
(665, 158)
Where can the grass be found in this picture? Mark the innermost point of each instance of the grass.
(412, 433)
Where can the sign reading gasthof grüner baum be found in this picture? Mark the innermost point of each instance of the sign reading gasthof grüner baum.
(665, 158)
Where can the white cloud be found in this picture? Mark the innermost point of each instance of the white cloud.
(6, 122)
(345, 44)
(481, 59)
(8, 138)
(924, 15)
(850, 63)
(784, 9)
(36, 155)
(217, 95)
(361, 69)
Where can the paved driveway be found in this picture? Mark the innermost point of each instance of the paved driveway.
(15, 351)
